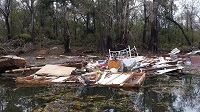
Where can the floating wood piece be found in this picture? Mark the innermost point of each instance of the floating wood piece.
(178, 55)
(109, 78)
(160, 72)
(158, 68)
(55, 70)
(22, 69)
(43, 80)
(60, 79)
(32, 80)
(122, 80)
(11, 62)
(136, 80)
(40, 57)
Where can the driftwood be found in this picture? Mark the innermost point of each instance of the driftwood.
(22, 69)
(11, 62)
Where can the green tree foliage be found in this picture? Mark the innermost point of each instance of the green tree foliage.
(101, 24)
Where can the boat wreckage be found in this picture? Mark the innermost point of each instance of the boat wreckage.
(123, 68)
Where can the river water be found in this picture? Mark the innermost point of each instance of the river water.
(158, 94)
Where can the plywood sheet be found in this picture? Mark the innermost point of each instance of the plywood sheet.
(55, 70)
(120, 79)
(110, 78)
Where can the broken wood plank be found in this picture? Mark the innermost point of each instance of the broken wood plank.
(55, 70)
(22, 69)
(11, 62)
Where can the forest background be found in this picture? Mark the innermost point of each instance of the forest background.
(99, 25)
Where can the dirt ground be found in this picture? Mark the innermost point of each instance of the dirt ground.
(54, 47)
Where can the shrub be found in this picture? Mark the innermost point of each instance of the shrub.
(25, 37)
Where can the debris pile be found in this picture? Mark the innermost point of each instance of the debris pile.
(123, 68)
(10, 62)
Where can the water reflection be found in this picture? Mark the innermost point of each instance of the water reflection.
(19, 99)
(187, 96)
(159, 94)
(109, 99)
(175, 95)
(85, 91)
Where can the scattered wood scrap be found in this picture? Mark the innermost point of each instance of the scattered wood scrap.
(122, 80)
(49, 74)
(55, 70)
(22, 69)
(11, 62)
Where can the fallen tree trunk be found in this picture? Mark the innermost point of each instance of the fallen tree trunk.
(11, 62)
(181, 28)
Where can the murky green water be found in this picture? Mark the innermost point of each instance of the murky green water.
(158, 94)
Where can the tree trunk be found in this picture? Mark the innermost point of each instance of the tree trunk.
(32, 20)
(33, 27)
(42, 17)
(191, 28)
(118, 38)
(110, 32)
(122, 21)
(110, 28)
(5, 10)
(8, 27)
(75, 25)
(101, 47)
(87, 23)
(126, 21)
(181, 28)
(94, 21)
(66, 30)
(56, 22)
(153, 43)
(122, 32)
(145, 25)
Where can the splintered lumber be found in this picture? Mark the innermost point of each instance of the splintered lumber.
(60, 79)
(158, 68)
(123, 80)
(136, 80)
(178, 56)
(31, 80)
(11, 62)
(108, 79)
(22, 69)
(159, 72)
(55, 70)
(140, 80)
(120, 79)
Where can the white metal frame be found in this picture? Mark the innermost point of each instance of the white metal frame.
(125, 53)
